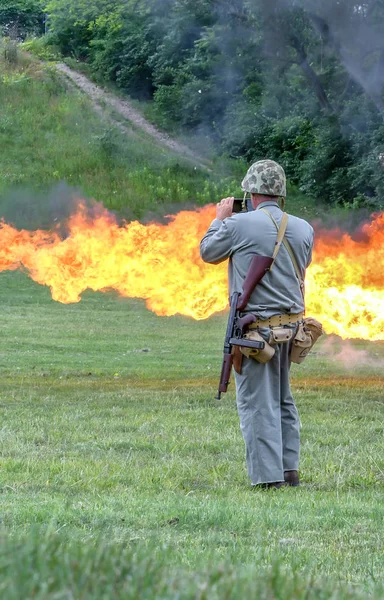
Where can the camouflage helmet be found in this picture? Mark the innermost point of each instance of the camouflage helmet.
(265, 177)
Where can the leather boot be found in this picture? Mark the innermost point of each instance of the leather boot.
(292, 478)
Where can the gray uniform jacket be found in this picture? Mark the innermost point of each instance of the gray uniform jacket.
(242, 236)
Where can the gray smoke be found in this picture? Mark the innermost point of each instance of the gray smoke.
(350, 357)
(351, 222)
(44, 209)
(355, 33)
(51, 209)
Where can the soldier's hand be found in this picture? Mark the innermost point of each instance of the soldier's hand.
(224, 208)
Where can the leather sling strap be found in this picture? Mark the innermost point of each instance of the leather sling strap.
(287, 246)
(280, 237)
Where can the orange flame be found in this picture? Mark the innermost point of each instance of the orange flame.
(161, 263)
(345, 283)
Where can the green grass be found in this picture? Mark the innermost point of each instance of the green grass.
(111, 437)
(120, 475)
(42, 566)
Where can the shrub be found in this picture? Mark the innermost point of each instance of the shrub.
(19, 18)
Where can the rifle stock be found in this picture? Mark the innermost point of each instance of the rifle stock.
(257, 269)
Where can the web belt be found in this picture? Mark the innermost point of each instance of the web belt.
(277, 321)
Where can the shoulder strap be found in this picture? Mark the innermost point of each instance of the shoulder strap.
(280, 236)
(283, 226)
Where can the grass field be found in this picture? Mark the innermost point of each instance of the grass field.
(120, 475)
(110, 436)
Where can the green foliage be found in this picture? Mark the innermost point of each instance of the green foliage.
(19, 18)
(42, 47)
(123, 57)
(70, 25)
(279, 78)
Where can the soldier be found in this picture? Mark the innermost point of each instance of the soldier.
(268, 416)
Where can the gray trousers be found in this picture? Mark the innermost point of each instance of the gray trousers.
(268, 416)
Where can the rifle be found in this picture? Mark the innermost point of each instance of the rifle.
(237, 325)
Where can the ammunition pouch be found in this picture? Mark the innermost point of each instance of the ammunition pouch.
(307, 334)
(280, 335)
(261, 356)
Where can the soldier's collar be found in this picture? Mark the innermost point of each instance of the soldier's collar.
(267, 203)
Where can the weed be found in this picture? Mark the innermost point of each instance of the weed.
(10, 50)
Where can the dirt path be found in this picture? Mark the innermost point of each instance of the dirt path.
(124, 108)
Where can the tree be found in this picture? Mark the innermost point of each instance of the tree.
(297, 80)
(20, 18)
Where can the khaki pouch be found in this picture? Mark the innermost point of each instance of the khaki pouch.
(279, 335)
(262, 356)
(307, 335)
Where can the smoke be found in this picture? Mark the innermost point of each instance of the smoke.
(355, 33)
(45, 209)
(274, 36)
(333, 225)
(48, 209)
(352, 32)
(51, 209)
(349, 357)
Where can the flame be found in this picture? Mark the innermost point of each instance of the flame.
(161, 263)
(345, 283)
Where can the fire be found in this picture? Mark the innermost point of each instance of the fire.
(345, 283)
(161, 264)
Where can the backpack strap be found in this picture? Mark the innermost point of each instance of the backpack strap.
(282, 239)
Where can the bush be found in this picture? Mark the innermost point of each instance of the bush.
(10, 51)
(260, 82)
(42, 47)
(19, 18)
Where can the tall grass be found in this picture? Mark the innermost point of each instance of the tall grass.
(42, 566)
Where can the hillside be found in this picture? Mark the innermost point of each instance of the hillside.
(54, 134)
(296, 80)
